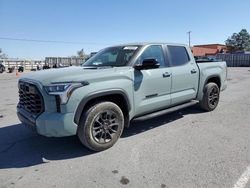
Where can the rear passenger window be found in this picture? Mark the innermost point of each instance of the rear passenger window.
(178, 55)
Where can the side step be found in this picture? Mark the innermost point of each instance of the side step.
(168, 110)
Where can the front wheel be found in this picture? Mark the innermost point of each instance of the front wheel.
(101, 125)
(211, 97)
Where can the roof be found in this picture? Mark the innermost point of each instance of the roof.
(200, 51)
(208, 49)
(200, 45)
(149, 43)
(18, 59)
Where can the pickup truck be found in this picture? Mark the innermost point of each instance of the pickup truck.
(97, 100)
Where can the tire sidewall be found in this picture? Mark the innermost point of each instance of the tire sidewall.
(208, 89)
(87, 124)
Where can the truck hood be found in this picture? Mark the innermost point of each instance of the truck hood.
(68, 74)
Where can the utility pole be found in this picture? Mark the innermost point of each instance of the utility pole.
(189, 38)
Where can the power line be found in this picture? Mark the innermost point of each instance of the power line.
(49, 41)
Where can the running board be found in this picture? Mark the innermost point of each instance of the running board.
(169, 110)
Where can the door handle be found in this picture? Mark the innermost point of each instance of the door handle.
(193, 71)
(166, 74)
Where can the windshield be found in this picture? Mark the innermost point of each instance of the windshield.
(112, 56)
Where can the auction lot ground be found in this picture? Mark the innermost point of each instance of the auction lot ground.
(187, 148)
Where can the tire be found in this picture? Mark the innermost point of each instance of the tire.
(101, 125)
(211, 97)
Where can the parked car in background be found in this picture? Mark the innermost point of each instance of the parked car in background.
(20, 69)
(119, 83)
(2, 68)
(200, 59)
(11, 69)
(46, 67)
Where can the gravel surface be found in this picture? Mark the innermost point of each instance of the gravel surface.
(187, 148)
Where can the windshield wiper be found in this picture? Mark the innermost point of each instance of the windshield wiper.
(105, 67)
(89, 67)
(98, 67)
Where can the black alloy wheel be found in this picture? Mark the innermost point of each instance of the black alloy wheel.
(105, 126)
(213, 97)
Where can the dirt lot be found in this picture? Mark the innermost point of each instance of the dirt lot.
(187, 148)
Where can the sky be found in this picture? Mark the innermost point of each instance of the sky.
(95, 24)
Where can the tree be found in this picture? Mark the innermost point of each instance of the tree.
(238, 41)
(81, 54)
(2, 55)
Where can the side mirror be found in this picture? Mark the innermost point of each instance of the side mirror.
(147, 64)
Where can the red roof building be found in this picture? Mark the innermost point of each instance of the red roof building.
(208, 49)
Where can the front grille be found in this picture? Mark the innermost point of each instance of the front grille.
(30, 99)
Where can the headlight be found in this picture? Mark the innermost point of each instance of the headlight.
(57, 88)
(63, 90)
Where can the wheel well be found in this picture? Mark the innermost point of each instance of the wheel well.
(115, 98)
(118, 99)
(214, 80)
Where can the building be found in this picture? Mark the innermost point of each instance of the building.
(208, 49)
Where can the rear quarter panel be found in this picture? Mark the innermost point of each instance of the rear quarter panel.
(209, 70)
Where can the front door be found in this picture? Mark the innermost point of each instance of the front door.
(152, 87)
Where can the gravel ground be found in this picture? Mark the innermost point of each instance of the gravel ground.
(187, 148)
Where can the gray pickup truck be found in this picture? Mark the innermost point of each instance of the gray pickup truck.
(120, 83)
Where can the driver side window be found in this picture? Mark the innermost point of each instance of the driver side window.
(153, 52)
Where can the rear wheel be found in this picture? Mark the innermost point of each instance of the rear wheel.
(101, 125)
(211, 97)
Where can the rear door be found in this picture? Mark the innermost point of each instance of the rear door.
(185, 74)
(152, 87)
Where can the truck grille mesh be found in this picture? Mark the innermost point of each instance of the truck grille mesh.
(30, 99)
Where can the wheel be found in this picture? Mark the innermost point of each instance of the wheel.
(211, 97)
(101, 125)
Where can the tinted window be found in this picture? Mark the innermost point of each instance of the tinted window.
(153, 52)
(178, 55)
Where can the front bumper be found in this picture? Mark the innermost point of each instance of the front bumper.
(50, 124)
(45, 119)
(29, 122)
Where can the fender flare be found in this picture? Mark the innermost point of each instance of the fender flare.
(209, 77)
(94, 95)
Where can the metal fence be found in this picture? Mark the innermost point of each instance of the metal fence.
(49, 61)
(235, 60)
(26, 64)
(63, 61)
